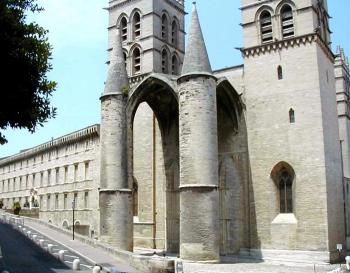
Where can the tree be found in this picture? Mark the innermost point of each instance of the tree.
(24, 54)
(16, 208)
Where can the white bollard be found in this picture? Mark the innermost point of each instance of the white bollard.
(347, 262)
(41, 242)
(50, 248)
(34, 237)
(96, 269)
(61, 255)
(24, 229)
(28, 233)
(76, 265)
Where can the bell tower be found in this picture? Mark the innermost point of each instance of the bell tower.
(152, 33)
(292, 126)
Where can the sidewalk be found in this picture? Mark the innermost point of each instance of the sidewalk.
(96, 256)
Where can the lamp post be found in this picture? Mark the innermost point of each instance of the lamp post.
(73, 207)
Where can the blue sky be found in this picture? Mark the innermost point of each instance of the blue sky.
(78, 34)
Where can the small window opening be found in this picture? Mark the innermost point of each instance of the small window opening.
(287, 22)
(125, 59)
(291, 116)
(266, 27)
(280, 72)
(165, 63)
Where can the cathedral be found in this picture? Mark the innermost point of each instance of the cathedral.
(250, 160)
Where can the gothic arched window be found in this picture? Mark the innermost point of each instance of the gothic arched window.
(285, 182)
(164, 27)
(174, 33)
(124, 29)
(287, 21)
(165, 62)
(136, 22)
(266, 26)
(136, 60)
(174, 65)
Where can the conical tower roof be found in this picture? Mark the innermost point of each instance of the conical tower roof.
(117, 78)
(196, 57)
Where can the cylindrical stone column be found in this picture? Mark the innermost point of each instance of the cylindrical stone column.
(199, 197)
(116, 226)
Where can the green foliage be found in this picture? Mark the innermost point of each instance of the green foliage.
(1, 203)
(16, 208)
(24, 54)
(125, 90)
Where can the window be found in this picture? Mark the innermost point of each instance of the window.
(174, 33)
(287, 21)
(174, 65)
(125, 59)
(86, 173)
(280, 72)
(291, 115)
(56, 202)
(20, 182)
(48, 206)
(285, 191)
(137, 25)
(65, 200)
(41, 179)
(41, 201)
(284, 178)
(65, 173)
(266, 27)
(48, 177)
(75, 200)
(57, 176)
(164, 27)
(135, 198)
(124, 29)
(75, 172)
(165, 63)
(86, 199)
(136, 57)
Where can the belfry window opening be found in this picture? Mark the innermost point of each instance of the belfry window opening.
(164, 27)
(124, 29)
(137, 25)
(287, 22)
(136, 61)
(266, 27)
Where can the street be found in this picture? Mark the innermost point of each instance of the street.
(22, 255)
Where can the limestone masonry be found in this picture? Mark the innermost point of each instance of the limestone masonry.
(250, 160)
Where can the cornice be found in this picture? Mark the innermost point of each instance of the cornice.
(55, 143)
(287, 43)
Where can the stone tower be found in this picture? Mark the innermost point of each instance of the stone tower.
(152, 33)
(292, 127)
(342, 83)
(114, 194)
(199, 197)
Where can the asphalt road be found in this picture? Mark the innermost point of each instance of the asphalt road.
(22, 255)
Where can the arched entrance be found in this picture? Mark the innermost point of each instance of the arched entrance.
(153, 163)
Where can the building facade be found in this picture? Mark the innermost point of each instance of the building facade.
(250, 160)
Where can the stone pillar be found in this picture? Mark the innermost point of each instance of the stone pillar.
(199, 196)
(115, 196)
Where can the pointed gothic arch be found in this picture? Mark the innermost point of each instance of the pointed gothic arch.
(165, 26)
(283, 176)
(136, 24)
